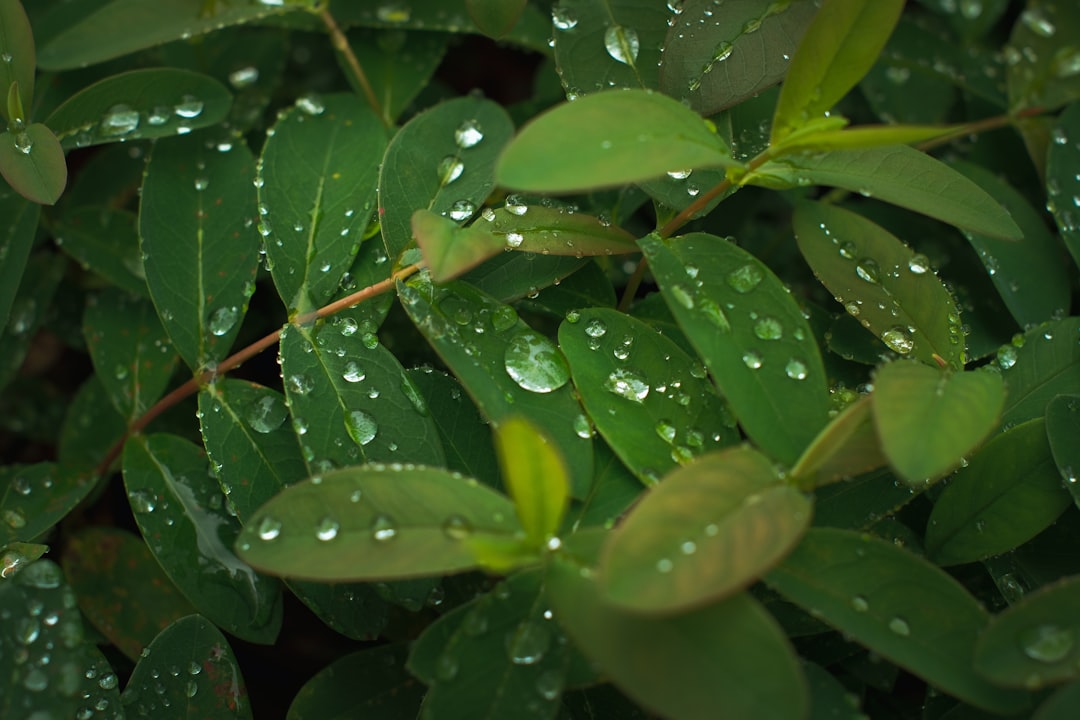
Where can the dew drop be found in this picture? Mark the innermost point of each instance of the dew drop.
(450, 169)
(142, 501)
(14, 519)
(311, 104)
(327, 529)
(795, 369)
(361, 427)
(860, 603)
(1006, 356)
(269, 528)
(515, 205)
(223, 320)
(383, 528)
(919, 264)
(24, 143)
(898, 339)
(666, 431)
(628, 384)
(1047, 643)
(867, 269)
(457, 527)
(300, 384)
(468, 134)
(900, 626)
(353, 373)
(266, 414)
(514, 239)
(563, 19)
(119, 120)
(622, 44)
(679, 174)
(768, 328)
(461, 210)
(535, 363)
(549, 684)
(595, 328)
(244, 77)
(664, 565)
(752, 360)
(582, 427)
(744, 279)
(528, 643)
(504, 318)
(189, 107)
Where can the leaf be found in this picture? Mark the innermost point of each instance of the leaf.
(729, 655)
(649, 399)
(34, 298)
(200, 252)
(514, 276)
(180, 513)
(1062, 427)
(1028, 275)
(90, 425)
(207, 684)
(17, 556)
(750, 333)
(130, 351)
(1037, 366)
(1033, 643)
(614, 489)
(839, 47)
(33, 163)
(896, 605)
(718, 56)
(316, 177)
(450, 250)
(902, 176)
(17, 48)
(554, 231)
(1009, 493)
(846, 447)
(20, 220)
(508, 368)
(398, 65)
(535, 476)
(37, 497)
(864, 136)
(368, 683)
(929, 419)
(608, 139)
(1060, 705)
(121, 588)
(124, 26)
(588, 286)
(890, 289)
(709, 530)
(374, 522)
(442, 159)
(106, 242)
(495, 18)
(1042, 56)
(1062, 186)
(140, 104)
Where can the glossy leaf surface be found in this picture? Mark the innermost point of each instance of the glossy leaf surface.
(1062, 427)
(450, 250)
(106, 242)
(32, 162)
(16, 238)
(555, 230)
(846, 447)
(1041, 71)
(368, 683)
(535, 476)
(1038, 365)
(495, 18)
(17, 48)
(1062, 186)
(36, 497)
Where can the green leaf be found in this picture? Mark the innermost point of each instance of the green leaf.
(588, 286)
(1008, 493)
(122, 590)
(614, 489)
(90, 426)
(181, 515)
(846, 447)
(896, 605)
(889, 288)
(929, 419)
(751, 334)
(863, 136)
(709, 530)
(648, 398)
(1038, 365)
(1061, 705)
(107, 242)
(1042, 56)
(449, 250)
(200, 251)
(20, 220)
(17, 555)
(17, 48)
(1033, 643)
(36, 497)
(34, 298)
(535, 476)
(207, 683)
(350, 399)
(1062, 186)
(607, 139)
(32, 162)
(398, 65)
(130, 351)
(1062, 428)
(514, 276)
(370, 683)
(902, 176)
(839, 47)
(554, 230)
(1028, 275)
(317, 177)
(718, 56)
(443, 160)
(495, 18)
(124, 26)
(152, 103)
(729, 655)
(507, 368)
(375, 522)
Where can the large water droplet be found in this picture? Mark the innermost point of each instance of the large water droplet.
(361, 427)
(527, 644)
(867, 269)
(300, 384)
(383, 528)
(188, 107)
(468, 134)
(622, 44)
(327, 529)
(269, 528)
(796, 369)
(563, 19)
(919, 264)
(266, 414)
(142, 501)
(595, 328)
(353, 373)
(461, 210)
(768, 328)
(900, 626)
(628, 383)
(222, 320)
(457, 527)
(898, 339)
(1047, 643)
(24, 143)
(535, 363)
(450, 169)
(119, 120)
(745, 278)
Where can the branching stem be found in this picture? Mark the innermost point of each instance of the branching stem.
(341, 44)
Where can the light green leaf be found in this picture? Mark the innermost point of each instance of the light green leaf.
(495, 18)
(369, 683)
(891, 290)
(375, 522)
(928, 419)
(449, 250)
(316, 178)
(863, 136)
(1038, 365)
(839, 47)
(897, 605)
(535, 477)
(17, 48)
(1062, 429)
(32, 162)
(607, 139)
(554, 231)
(1043, 56)
(1062, 185)
(152, 103)
(105, 241)
(649, 399)
(751, 334)
(709, 530)
(1008, 493)
(17, 229)
(200, 249)
(846, 447)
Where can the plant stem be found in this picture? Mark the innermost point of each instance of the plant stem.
(341, 44)
(990, 123)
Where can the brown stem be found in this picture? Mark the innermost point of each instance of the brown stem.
(341, 44)
(990, 123)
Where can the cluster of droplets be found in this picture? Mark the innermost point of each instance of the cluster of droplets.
(155, 688)
(467, 135)
(121, 121)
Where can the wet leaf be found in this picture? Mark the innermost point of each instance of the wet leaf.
(17, 555)
(1061, 705)
(751, 334)
(36, 497)
(649, 399)
(1009, 492)
(555, 231)
(180, 512)
(535, 477)
(846, 447)
(1043, 56)
(495, 18)
(450, 250)
(200, 249)
(370, 683)
(106, 242)
(513, 276)
(1038, 365)
(897, 605)
(614, 489)
(29, 310)
(90, 426)
(152, 103)
(588, 286)
(398, 65)
(1062, 186)
(20, 219)
(709, 530)
(375, 522)
(316, 179)
(1062, 428)
(32, 162)
(17, 47)
(609, 138)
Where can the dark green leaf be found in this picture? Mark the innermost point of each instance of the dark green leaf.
(398, 65)
(535, 477)
(369, 683)
(717, 56)
(1062, 183)
(317, 177)
(1036, 366)
(1009, 492)
(32, 162)
(513, 276)
(609, 138)
(17, 555)
(707, 531)
(588, 286)
(752, 335)
(200, 249)
(17, 48)
(839, 47)
(36, 497)
(152, 103)
(29, 310)
(90, 427)
(20, 219)
(649, 399)
(375, 522)
(1062, 429)
(207, 682)
(897, 605)
(929, 419)
(1061, 705)
(846, 447)
(181, 515)
(106, 242)
(1042, 56)
(614, 489)
(829, 698)
(495, 18)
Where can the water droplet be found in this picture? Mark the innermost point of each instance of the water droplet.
(1047, 643)
(867, 270)
(860, 603)
(159, 115)
(457, 527)
(582, 427)
(1035, 21)
(266, 414)
(664, 565)
(595, 328)
(535, 363)
(222, 320)
(898, 339)
(450, 169)
(622, 44)
(383, 528)
(563, 19)
(682, 296)
(745, 278)
(527, 644)
(188, 107)
(899, 626)
(14, 519)
(628, 384)
(468, 134)
(361, 427)
(311, 104)
(269, 528)
(665, 430)
(300, 384)
(353, 373)
(244, 77)
(679, 174)
(768, 328)
(24, 143)
(514, 239)
(119, 120)
(327, 529)
(462, 210)
(108, 681)
(142, 501)
(752, 359)
(549, 684)
(515, 205)
(919, 264)
(795, 369)
(504, 318)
